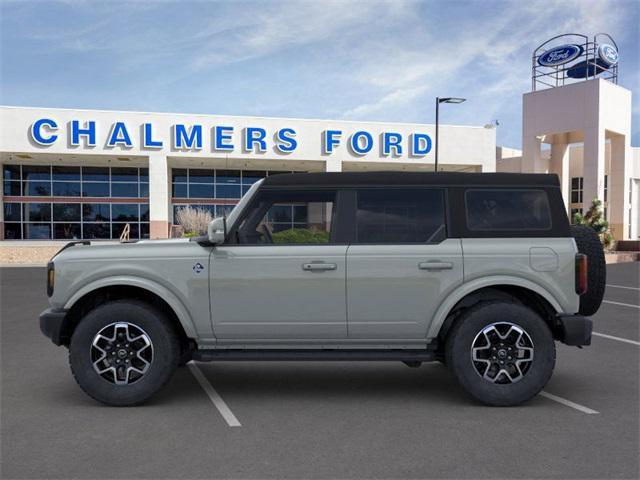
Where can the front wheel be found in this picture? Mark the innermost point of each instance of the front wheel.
(502, 353)
(123, 352)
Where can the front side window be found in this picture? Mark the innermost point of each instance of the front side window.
(507, 209)
(286, 218)
(400, 216)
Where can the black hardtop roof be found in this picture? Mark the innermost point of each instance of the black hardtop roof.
(411, 178)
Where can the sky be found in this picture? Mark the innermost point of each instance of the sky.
(353, 60)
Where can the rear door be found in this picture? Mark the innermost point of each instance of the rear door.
(401, 264)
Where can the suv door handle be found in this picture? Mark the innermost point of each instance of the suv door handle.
(435, 265)
(318, 267)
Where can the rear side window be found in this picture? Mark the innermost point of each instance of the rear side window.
(507, 209)
(400, 216)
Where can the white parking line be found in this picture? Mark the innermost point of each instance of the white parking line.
(619, 339)
(217, 400)
(622, 286)
(568, 403)
(621, 304)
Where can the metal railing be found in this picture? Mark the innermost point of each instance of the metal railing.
(543, 76)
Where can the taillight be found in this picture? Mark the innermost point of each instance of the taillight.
(51, 278)
(581, 274)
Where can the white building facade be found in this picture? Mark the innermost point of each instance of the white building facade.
(86, 174)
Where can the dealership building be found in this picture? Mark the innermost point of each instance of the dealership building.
(91, 174)
(86, 174)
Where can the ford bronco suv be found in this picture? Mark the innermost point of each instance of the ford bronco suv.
(480, 271)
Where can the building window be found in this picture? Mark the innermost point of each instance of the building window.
(75, 202)
(577, 184)
(573, 213)
(208, 188)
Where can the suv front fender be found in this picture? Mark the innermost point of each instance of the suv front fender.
(182, 313)
(469, 287)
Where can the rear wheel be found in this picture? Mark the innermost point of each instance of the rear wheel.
(123, 352)
(502, 353)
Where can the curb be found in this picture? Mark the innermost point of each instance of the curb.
(23, 265)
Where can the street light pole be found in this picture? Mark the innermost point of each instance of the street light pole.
(437, 129)
(438, 102)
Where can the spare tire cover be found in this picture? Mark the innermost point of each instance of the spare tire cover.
(588, 242)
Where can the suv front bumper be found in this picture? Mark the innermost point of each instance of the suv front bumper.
(575, 330)
(52, 325)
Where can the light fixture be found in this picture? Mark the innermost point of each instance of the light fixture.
(451, 100)
(440, 100)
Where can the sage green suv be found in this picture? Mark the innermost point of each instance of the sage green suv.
(479, 271)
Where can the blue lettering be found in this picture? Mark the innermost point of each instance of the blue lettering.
(119, 136)
(147, 138)
(392, 140)
(356, 145)
(255, 135)
(186, 139)
(89, 131)
(36, 131)
(286, 141)
(222, 137)
(330, 140)
(421, 144)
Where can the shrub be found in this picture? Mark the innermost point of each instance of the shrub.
(301, 235)
(194, 221)
(594, 218)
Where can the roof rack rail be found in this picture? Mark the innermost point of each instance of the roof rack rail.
(74, 243)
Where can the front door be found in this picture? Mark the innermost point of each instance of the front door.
(282, 277)
(401, 264)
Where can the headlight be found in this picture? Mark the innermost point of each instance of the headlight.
(51, 278)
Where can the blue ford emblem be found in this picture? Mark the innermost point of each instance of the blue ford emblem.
(608, 54)
(560, 55)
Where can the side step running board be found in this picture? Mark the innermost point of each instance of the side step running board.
(422, 355)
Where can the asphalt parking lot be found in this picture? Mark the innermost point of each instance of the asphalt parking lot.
(321, 420)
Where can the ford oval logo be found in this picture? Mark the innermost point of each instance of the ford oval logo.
(560, 55)
(608, 54)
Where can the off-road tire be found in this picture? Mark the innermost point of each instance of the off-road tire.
(166, 352)
(589, 243)
(459, 356)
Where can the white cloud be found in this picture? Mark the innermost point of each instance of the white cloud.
(495, 51)
(362, 60)
(281, 25)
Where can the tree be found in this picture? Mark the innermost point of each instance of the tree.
(594, 218)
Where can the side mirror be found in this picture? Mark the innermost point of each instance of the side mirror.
(218, 230)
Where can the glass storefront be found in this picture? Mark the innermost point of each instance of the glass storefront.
(43, 202)
(63, 202)
(214, 190)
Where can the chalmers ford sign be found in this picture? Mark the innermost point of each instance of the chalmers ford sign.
(284, 140)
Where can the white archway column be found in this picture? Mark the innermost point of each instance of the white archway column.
(559, 164)
(619, 186)
(593, 165)
(333, 165)
(158, 196)
(531, 154)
